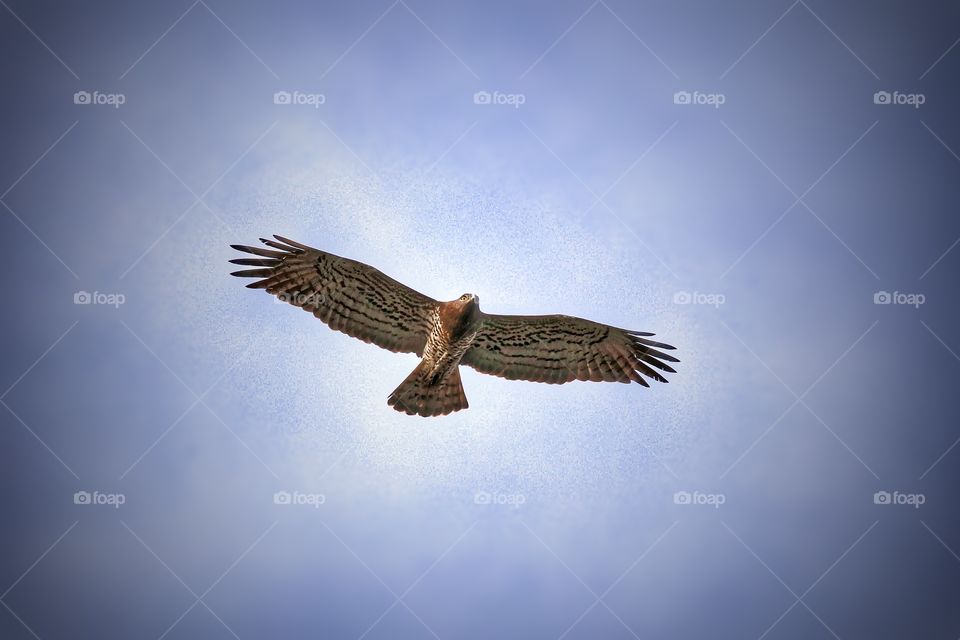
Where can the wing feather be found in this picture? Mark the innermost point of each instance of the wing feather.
(557, 349)
(349, 296)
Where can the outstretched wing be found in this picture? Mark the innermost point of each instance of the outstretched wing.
(350, 296)
(558, 349)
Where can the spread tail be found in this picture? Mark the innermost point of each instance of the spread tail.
(418, 395)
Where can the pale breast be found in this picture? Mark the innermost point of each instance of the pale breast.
(440, 352)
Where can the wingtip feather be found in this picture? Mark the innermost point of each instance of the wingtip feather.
(292, 243)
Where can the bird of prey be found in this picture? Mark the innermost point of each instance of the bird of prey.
(360, 301)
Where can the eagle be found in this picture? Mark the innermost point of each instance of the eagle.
(362, 302)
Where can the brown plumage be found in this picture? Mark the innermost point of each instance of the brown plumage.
(362, 302)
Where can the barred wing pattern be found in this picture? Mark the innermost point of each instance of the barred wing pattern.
(350, 296)
(557, 349)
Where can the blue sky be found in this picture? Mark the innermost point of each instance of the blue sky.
(771, 187)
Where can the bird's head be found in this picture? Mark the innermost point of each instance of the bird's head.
(468, 305)
(468, 300)
(460, 314)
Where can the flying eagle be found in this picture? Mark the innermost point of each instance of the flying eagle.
(362, 302)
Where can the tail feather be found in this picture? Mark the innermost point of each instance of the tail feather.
(418, 395)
